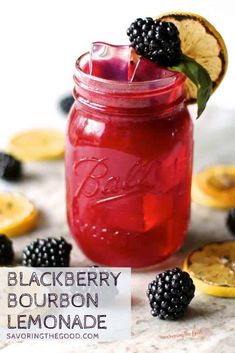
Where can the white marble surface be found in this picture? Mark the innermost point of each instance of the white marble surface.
(209, 324)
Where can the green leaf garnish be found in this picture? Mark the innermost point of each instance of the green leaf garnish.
(199, 76)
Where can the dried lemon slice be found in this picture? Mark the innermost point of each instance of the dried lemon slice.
(212, 268)
(215, 186)
(37, 144)
(203, 43)
(17, 214)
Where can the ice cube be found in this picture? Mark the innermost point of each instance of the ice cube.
(157, 209)
(146, 70)
(135, 213)
(110, 61)
(121, 63)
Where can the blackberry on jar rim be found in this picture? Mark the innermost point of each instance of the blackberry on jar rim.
(155, 40)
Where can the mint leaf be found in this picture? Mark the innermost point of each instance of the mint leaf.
(200, 78)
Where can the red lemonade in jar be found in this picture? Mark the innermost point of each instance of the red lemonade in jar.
(128, 159)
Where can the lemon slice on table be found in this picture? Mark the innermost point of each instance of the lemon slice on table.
(37, 144)
(203, 43)
(212, 268)
(17, 214)
(215, 186)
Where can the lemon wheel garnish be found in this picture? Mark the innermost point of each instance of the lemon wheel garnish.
(18, 215)
(203, 43)
(215, 186)
(212, 268)
(37, 144)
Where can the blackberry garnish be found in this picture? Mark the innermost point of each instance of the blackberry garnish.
(10, 167)
(49, 252)
(230, 222)
(6, 250)
(170, 294)
(156, 40)
(66, 103)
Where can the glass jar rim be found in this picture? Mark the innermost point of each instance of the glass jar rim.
(160, 84)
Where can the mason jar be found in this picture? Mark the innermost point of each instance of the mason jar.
(128, 168)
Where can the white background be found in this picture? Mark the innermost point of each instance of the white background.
(40, 40)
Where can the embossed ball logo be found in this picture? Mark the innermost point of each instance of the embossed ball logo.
(98, 180)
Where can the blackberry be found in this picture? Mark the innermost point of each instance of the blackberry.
(66, 103)
(230, 221)
(155, 40)
(49, 252)
(170, 294)
(6, 250)
(10, 167)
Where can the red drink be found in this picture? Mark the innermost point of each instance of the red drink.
(128, 168)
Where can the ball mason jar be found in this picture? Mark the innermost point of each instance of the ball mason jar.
(128, 163)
